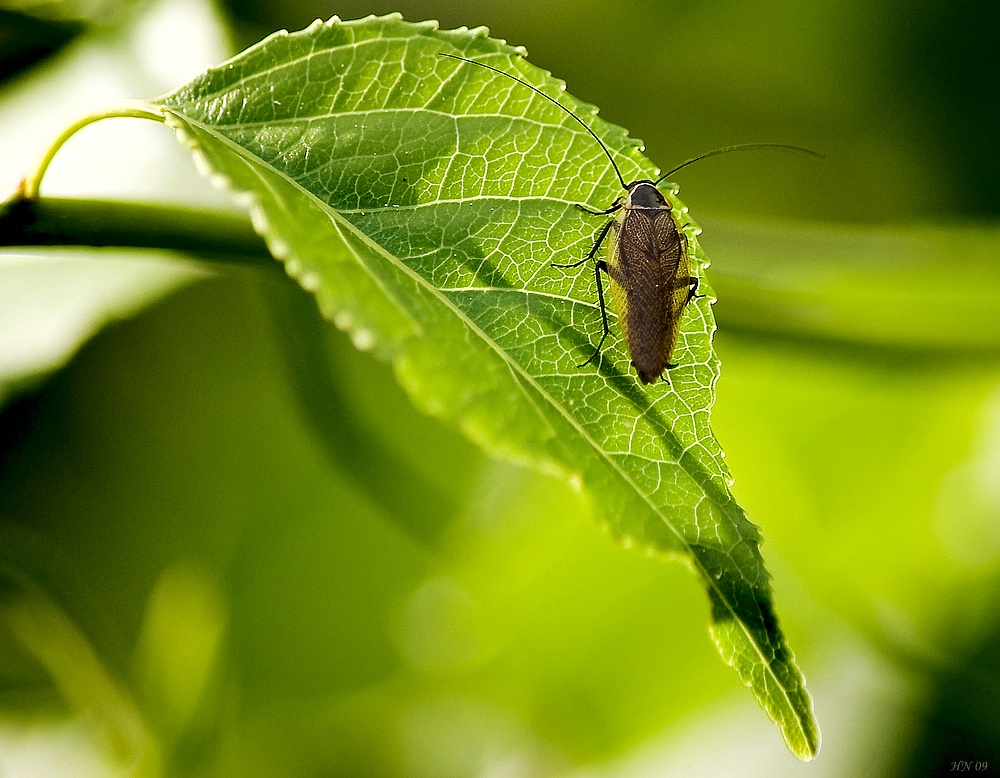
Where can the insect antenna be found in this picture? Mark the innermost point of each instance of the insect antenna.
(554, 102)
(741, 147)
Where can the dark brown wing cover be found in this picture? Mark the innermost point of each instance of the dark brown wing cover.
(650, 278)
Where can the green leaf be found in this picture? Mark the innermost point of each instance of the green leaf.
(422, 200)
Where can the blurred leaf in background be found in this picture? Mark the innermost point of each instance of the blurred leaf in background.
(249, 599)
(25, 38)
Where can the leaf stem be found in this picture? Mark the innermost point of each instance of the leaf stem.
(32, 180)
(218, 236)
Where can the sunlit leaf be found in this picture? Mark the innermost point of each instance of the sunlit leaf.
(422, 200)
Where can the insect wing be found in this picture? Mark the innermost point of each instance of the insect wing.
(650, 279)
(681, 286)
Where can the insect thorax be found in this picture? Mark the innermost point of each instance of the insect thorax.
(644, 194)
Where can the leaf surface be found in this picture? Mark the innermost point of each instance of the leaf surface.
(422, 201)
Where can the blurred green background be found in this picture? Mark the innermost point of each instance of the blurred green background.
(227, 548)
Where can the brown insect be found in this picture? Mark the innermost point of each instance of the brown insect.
(647, 261)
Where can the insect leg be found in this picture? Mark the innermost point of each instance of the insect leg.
(691, 282)
(692, 290)
(612, 209)
(597, 244)
(692, 285)
(598, 267)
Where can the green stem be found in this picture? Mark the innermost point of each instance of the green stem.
(218, 236)
(32, 181)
